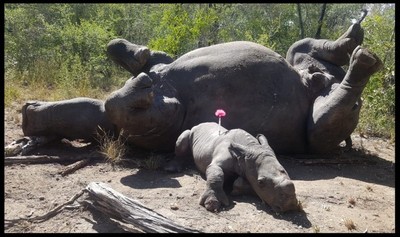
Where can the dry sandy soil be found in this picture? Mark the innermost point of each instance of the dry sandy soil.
(333, 196)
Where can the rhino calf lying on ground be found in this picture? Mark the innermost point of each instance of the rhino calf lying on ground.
(223, 154)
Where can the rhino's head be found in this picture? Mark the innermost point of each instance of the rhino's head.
(149, 113)
(267, 176)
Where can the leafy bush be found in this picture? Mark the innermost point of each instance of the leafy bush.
(378, 113)
(58, 51)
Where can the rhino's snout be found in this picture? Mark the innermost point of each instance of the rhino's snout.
(286, 197)
(287, 187)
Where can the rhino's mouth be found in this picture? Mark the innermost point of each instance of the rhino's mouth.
(168, 113)
(277, 208)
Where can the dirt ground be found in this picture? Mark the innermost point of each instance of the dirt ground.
(336, 198)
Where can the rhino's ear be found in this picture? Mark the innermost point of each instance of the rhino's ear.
(237, 151)
(141, 81)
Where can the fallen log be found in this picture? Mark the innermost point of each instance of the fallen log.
(33, 159)
(42, 159)
(116, 205)
(73, 167)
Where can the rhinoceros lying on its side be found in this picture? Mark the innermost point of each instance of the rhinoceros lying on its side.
(221, 154)
(305, 104)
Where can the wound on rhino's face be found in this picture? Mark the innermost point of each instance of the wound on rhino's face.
(267, 177)
(143, 109)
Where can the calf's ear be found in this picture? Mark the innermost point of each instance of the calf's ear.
(262, 139)
(237, 151)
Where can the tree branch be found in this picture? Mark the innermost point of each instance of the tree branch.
(130, 211)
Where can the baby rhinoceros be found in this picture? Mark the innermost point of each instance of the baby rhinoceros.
(221, 154)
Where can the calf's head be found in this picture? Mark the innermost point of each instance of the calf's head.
(266, 176)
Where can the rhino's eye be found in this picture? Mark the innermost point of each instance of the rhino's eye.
(261, 181)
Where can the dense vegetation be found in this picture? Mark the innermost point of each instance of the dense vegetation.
(57, 51)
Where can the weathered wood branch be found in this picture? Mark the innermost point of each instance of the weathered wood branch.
(42, 159)
(116, 205)
(33, 159)
(48, 215)
(74, 167)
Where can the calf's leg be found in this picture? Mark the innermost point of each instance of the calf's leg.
(182, 153)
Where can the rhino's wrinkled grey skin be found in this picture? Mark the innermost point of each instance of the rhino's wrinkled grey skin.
(221, 154)
(76, 118)
(305, 103)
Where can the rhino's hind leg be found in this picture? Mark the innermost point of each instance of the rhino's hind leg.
(182, 152)
(335, 114)
(338, 52)
(214, 195)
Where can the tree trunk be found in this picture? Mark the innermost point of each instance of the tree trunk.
(321, 18)
(300, 21)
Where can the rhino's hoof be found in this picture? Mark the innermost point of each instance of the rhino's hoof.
(212, 204)
(354, 32)
(362, 57)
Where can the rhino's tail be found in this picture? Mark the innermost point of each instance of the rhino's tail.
(364, 14)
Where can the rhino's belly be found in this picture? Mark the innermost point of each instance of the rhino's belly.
(271, 106)
(259, 91)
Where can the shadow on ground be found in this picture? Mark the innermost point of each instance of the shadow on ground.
(148, 179)
(354, 164)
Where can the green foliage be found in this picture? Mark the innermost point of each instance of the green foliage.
(378, 113)
(52, 46)
(59, 50)
(184, 27)
(174, 30)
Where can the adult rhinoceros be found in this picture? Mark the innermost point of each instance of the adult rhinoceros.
(305, 103)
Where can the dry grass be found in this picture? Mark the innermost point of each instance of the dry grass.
(349, 224)
(316, 229)
(153, 162)
(113, 149)
(352, 201)
(300, 205)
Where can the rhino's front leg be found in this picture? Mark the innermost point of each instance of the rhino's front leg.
(242, 187)
(214, 194)
(130, 56)
(335, 113)
(78, 118)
